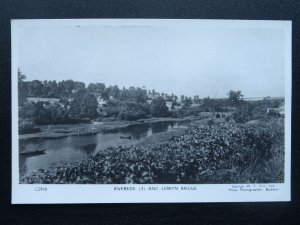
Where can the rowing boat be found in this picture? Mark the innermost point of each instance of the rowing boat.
(123, 137)
(33, 153)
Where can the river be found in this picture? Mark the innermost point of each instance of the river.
(60, 151)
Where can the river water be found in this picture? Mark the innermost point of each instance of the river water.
(60, 151)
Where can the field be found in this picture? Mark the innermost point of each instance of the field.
(218, 153)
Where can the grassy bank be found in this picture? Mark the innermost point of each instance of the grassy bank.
(219, 153)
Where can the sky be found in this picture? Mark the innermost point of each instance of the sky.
(189, 59)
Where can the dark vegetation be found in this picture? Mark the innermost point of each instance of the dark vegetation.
(74, 102)
(78, 103)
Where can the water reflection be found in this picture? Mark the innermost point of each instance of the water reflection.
(73, 148)
(89, 149)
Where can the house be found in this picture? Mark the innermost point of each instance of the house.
(195, 105)
(177, 107)
(101, 103)
(50, 101)
(169, 105)
(149, 101)
(282, 109)
(45, 101)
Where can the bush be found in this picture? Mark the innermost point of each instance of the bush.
(210, 122)
(27, 126)
(273, 113)
(158, 107)
(242, 114)
(227, 118)
(131, 115)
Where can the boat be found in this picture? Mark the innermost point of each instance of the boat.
(32, 153)
(123, 137)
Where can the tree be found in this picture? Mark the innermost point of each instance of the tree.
(182, 98)
(208, 104)
(66, 87)
(58, 114)
(158, 107)
(29, 111)
(100, 87)
(75, 108)
(88, 106)
(140, 95)
(196, 99)
(105, 93)
(96, 88)
(124, 95)
(35, 88)
(54, 90)
(42, 114)
(78, 85)
(79, 93)
(187, 101)
(243, 113)
(22, 88)
(65, 102)
(175, 98)
(234, 97)
(115, 92)
(92, 88)
(153, 92)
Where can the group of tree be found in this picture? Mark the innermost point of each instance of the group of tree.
(72, 89)
(158, 107)
(60, 112)
(78, 101)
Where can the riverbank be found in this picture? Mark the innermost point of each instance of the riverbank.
(162, 137)
(81, 129)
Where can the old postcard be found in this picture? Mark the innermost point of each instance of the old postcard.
(142, 110)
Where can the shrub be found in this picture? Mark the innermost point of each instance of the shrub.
(227, 118)
(131, 115)
(241, 115)
(27, 126)
(210, 122)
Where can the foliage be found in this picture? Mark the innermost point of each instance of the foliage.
(131, 115)
(187, 101)
(208, 104)
(96, 88)
(75, 109)
(158, 107)
(243, 113)
(84, 107)
(127, 110)
(75, 89)
(88, 106)
(58, 114)
(256, 110)
(234, 97)
(22, 88)
(210, 122)
(27, 126)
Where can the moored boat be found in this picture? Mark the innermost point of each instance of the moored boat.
(123, 137)
(32, 153)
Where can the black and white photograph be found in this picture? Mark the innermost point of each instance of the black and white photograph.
(152, 103)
